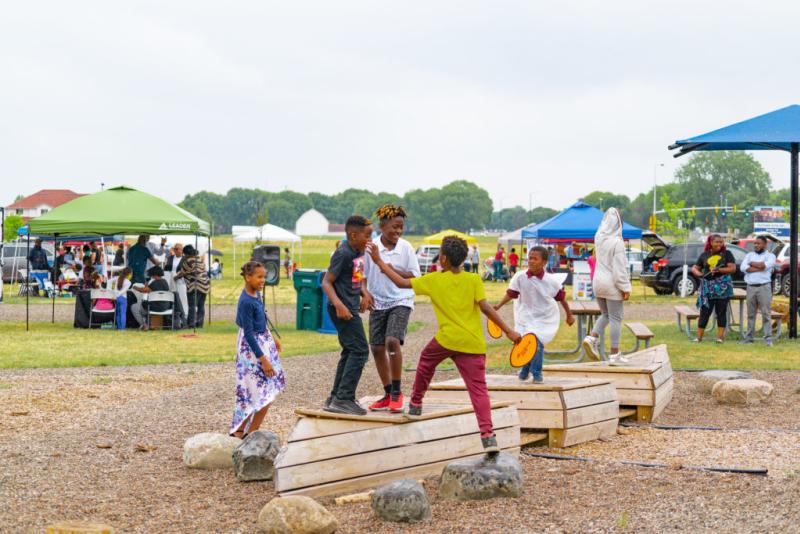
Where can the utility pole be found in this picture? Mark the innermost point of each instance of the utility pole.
(655, 175)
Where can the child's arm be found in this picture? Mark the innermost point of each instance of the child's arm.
(390, 273)
(505, 300)
(490, 312)
(570, 317)
(327, 286)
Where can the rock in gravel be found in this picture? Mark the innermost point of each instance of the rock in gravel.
(744, 391)
(209, 450)
(402, 501)
(296, 514)
(485, 477)
(254, 457)
(707, 379)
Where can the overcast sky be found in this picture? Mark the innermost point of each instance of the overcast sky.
(536, 101)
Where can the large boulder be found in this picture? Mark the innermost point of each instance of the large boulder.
(485, 477)
(402, 501)
(209, 450)
(296, 514)
(707, 379)
(254, 457)
(745, 391)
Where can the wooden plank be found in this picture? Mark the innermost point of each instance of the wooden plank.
(661, 375)
(626, 412)
(640, 330)
(647, 365)
(591, 414)
(387, 437)
(687, 311)
(663, 398)
(429, 411)
(636, 397)
(582, 434)
(526, 438)
(525, 400)
(512, 383)
(628, 379)
(372, 481)
(317, 427)
(316, 473)
(597, 394)
(541, 419)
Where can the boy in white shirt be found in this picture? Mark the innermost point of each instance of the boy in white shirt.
(390, 306)
(535, 293)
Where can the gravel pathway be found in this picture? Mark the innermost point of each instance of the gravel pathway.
(52, 468)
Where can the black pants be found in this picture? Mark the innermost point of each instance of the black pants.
(197, 309)
(355, 353)
(718, 306)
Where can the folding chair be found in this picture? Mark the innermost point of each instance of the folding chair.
(95, 294)
(27, 284)
(161, 296)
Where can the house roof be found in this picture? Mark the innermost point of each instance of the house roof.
(48, 197)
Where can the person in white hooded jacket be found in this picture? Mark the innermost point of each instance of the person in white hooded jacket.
(612, 285)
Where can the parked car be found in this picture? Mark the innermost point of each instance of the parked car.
(18, 250)
(425, 255)
(635, 259)
(662, 269)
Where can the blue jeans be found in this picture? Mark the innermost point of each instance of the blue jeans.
(122, 311)
(534, 366)
(498, 270)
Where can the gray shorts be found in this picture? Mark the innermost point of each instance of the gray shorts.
(391, 322)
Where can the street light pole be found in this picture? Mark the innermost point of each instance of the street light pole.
(655, 174)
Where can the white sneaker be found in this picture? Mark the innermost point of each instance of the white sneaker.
(591, 346)
(617, 358)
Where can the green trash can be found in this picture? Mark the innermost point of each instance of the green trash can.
(309, 299)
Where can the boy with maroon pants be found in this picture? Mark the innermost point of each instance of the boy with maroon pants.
(458, 298)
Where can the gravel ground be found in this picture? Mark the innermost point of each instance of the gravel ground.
(52, 468)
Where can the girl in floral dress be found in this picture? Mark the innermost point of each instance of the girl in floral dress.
(259, 374)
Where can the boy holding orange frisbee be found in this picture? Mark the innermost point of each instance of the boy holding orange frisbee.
(535, 293)
(458, 300)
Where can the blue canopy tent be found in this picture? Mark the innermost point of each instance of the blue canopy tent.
(579, 222)
(777, 130)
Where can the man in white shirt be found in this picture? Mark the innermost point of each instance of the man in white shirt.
(390, 305)
(757, 267)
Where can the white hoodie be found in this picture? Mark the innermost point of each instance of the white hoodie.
(611, 277)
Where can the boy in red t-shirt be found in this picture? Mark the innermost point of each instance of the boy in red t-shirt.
(513, 262)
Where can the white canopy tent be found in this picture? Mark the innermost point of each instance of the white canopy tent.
(269, 233)
(512, 238)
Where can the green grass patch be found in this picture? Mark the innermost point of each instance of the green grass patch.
(3, 385)
(61, 345)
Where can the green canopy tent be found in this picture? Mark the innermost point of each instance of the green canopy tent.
(118, 210)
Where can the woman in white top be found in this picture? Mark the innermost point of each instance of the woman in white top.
(611, 283)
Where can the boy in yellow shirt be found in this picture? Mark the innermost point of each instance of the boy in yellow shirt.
(458, 298)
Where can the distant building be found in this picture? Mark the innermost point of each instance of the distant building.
(41, 202)
(311, 222)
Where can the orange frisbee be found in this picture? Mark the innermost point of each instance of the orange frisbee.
(523, 352)
(493, 329)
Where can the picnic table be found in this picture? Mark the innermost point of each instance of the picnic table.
(585, 312)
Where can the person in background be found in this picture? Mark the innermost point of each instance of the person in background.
(178, 285)
(138, 256)
(87, 254)
(121, 284)
(497, 264)
(38, 257)
(468, 261)
(216, 269)
(156, 283)
(119, 255)
(714, 268)
(156, 250)
(476, 260)
(88, 271)
(198, 284)
(513, 262)
(287, 263)
(100, 304)
(757, 267)
(611, 285)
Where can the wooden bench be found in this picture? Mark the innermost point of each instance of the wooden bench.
(329, 453)
(642, 333)
(565, 411)
(689, 314)
(644, 384)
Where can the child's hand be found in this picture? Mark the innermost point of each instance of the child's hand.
(514, 336)
(570, 320)
(367, 302)
(496, 307)
(277, 344)
(342, 312)
(266, 366)
(626, 295)
(374, 253)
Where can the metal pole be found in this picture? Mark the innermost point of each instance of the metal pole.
(53, 277)
(793, 246)
(194, 290)
(208, 298)
(26, 281)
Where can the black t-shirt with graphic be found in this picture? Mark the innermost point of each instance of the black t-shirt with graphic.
(347, 265)
(709, 260)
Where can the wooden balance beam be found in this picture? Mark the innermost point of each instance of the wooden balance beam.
(330, 453)
(566, 411)
(644, 384)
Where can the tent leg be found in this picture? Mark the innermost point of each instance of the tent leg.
(53, 278)
(208, 298)
(793, 244)
(27, 284)
(194, 290)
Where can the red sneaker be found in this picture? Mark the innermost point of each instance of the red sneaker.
(380, 405)
(396, 404)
